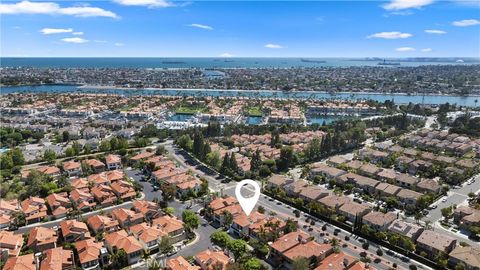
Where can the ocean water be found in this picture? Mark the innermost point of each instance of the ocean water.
(216, 62)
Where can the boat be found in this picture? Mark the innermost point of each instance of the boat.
(312, 60)
(385, 63)
(460, 61)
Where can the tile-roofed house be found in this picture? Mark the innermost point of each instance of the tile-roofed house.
(188, 187)
(466, 217)
(334, 202)
(80, 184)
(5, 221)
(406, 180)
(210, 260)
(336, 161)
(466, 163)
(121, 240)
(83, 200)
(57, 259)
(433, 243)
(51, 171)
(429, 185)
(115, 175)
(216, 206)
(10, 243)
(354, 164)
(313, 193)
(379, 221)
(123, 190)
(104, 195)
(387, 190)
(25, 262)
(320, 169)
(368, 170)
(91, 255)
(407, 229)
(114, 162)
(311, 250)
(142, 155)
(59, 201)
(72, 168)
(468, 255)
(241, 223)
(95, 164)
(73, 230)
(288, 241)
(127, 217)
(418, 165)
(98, 179)
(9, 206)
(387, 175)
(265, 225)
(34, 209)
(100, 224)
(337, 261)
(402, 163)
(296, 187)
(179, 263)
(41, 238)
(407, 196)
(353, 210)
(172, 226)
(148, 236)
(147, 208)
(367, 184)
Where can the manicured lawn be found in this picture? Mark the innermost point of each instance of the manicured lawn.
(186, 110)
(254, 111)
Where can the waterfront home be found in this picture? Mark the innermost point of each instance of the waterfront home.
(432, 243)
(468, 255)
(91, 255)
(73, 231)
(179, 263)
(25, 262)
(209, 259)
(121, 240)
(57, 259)
(114, 162)
(41, 238)
(72, 168)
(353, 211)
(127, 217)
(10, 244)
(379, 221)
(99, 224)
(172, 226)
(95, 164)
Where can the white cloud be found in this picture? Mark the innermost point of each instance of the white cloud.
(50, 31)
(390, 35)
(74, 40)
(405, 49)
(427, 50)
(146, 3)
(77, 33)
(405, 4)
(50, 8)
(119, 44)
(469, 22)
(100, 41)
(201, 26)
(273, 46)
(437, 32)
(226, 55)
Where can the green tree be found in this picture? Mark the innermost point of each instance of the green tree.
(291, 226)
(104, 146)
(65, 136)
(238, 248)
(286, 158)
(253, 264)
(190, 221)
(165, 246)
(300, 263)
(256, 162)
(227, 219)
(220, 238)
(118, 259)
(17, 157)
(168, 192)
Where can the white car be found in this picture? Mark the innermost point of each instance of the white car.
(444, 199)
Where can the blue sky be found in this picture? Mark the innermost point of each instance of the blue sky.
(396, 28)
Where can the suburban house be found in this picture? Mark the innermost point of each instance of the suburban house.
(207, 259)
(148, 236)
(25, 262)
(432, 243)
(147, 208)
(379, 221)
(353, 211)
(179, 263)
(127, 217)
(57, 259)
(114, 162)
(10, 244)
(41, 238)
(100, 224)
(95, 164)
(172, 226)
(407, 229)
(468, 255)
(73, 231)
(91, 255)
(121, 240)
(72, 168)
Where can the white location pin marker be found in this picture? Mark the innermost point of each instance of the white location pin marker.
(247, 204)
